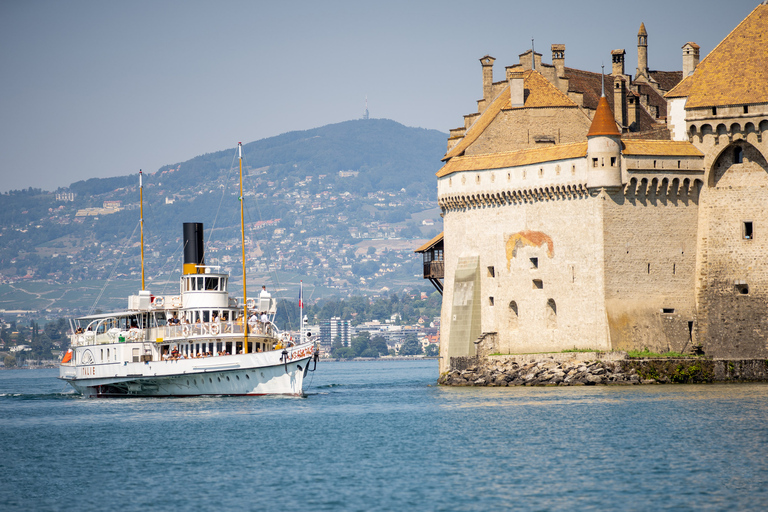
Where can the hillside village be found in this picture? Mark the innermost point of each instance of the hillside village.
(339, 232)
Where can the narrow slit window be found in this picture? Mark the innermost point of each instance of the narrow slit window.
(534, 262)
(491, 272)
(748, 233)
(490, 301)
(538, 284)
(594, 162)
(746, 109)
(649, 268)
(738, 155)
(613, 161)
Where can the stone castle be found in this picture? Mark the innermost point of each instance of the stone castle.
(610, 212)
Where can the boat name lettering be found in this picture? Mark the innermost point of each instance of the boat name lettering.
(298, 354)
(88, 370)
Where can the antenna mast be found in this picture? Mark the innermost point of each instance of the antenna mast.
(141, 222)
(242, 245)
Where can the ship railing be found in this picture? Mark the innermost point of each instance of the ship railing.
(111, 336)
(218, 329)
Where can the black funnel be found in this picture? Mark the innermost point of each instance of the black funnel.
(193, 247)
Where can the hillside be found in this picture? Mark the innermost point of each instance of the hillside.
(339, 205)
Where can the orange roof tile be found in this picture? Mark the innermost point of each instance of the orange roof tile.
(736, 71)
(603, 123)
(513, 158)
(639, 147)
(540, 94)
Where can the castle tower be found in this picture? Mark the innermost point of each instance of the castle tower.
(642, 53)
(603, 149)
(690, 58)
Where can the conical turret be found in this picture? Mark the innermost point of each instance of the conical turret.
(604, 149)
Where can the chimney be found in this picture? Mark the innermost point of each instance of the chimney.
(690, 58)
(617, 56)
(516, 88)
(558, 59)
(642, 52)
(194, 249)
(487, 63)
(632, 104)
(619, 100)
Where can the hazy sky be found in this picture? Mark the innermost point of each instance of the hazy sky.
(104, 88)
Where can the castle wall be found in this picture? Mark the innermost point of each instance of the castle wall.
(733, 298)
(650, 262)
(541, 286)
(521, 128)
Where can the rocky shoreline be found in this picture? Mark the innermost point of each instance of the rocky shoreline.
(601, 369)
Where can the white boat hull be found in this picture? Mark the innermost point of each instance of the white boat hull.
(262, 373)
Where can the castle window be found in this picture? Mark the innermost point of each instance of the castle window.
(714, 111)
(594, 162)
(613, 161)
(674, 268)
(551, 313)
(534, 262)
(654, 164)
(490, 301)
(747, 231)
(738, 155)
(538, 284)
(513, 315)
(668, 311)
(678, 164)
(491, 272)
(742, 288)
(746, 109)
(573, 169)
(649, 268)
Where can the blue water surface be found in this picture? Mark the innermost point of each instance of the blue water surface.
(382, 436)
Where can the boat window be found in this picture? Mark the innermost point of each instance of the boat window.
(211, 283)
(200, 283)
(206, 316)
(223, 284)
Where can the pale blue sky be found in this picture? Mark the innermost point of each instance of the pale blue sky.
(93, 88)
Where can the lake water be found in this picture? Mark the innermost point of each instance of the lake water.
(381, 436)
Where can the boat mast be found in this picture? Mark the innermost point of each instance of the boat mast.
(141, 221)
(242, 245)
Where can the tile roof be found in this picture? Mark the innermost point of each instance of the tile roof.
(427, 246)
(666, 79)
(659, 148)
(539, 93)
(603, 123)
(736, 71)
(513, 158)
(682, 89)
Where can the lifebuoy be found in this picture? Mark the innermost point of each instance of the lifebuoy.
(176, 301)
(185, 330)
(214, 329)
(158, 302)
(233, 302)
(133, 334)
(251, 303)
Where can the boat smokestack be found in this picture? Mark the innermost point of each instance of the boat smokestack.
(193, 248)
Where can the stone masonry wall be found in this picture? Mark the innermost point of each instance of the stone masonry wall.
(518, 129)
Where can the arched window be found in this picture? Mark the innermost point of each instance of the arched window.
(551, 314)
(738, 155)
(513, 315)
